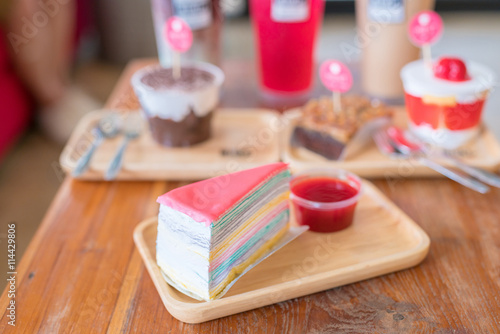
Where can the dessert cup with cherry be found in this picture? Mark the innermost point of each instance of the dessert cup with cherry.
(445, 101)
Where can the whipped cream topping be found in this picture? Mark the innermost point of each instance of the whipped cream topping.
(419, 81)
(175, 103)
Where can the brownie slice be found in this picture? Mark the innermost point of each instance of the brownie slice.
(318, 142)
(327, 133)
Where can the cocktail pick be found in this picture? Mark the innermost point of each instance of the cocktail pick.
(424, 29)
(337, 78)
(180, 38)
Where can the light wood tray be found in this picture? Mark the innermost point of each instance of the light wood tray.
(381, 240)
(483, 152)
(242, 139)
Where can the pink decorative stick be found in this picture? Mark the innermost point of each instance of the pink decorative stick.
(180, 38)
(337, 78)
(424, 29)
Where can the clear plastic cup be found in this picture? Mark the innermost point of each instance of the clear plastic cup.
(179, 115)
(204, 17)
(325, 199)
(445, 113)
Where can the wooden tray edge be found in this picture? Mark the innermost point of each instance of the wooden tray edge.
(133, 175)
(64, 157)
(379, 169)
(198, 313)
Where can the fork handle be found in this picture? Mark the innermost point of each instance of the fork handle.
(83, 163)
(116, 163)
(478, 173)
(456, 176)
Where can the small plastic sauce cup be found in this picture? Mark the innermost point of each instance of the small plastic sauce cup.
(325, 199)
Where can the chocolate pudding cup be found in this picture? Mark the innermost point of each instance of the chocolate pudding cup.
(179, 110)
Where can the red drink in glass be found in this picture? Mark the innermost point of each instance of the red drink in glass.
(285, 31)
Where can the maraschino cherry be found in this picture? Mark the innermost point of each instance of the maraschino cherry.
(451, 69)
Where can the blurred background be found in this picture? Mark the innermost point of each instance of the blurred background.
(60, 59)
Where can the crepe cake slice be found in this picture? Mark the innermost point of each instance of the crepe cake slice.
(209, 232)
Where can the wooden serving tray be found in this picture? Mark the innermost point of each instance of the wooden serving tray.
(381, 240)
(242, 139)
(483, 152)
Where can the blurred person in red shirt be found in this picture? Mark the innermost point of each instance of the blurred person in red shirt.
(15, 106)
(38, 43)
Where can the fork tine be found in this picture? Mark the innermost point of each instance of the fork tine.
(383, 143)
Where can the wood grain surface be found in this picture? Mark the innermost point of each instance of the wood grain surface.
(381, 240)
(82, 274)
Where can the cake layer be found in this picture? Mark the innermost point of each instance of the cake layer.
(178, 280)
(206, 201)
(178, 262)
(251, 246)
(174, 265)
(203, 258)
(243, 230)
(172, 248)
(238, 269)
(259, 220)
(182, 250)
(248, 206)
(196, 237)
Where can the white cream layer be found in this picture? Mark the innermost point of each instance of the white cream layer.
(176, 104)
(183, 249)
(419, 80)
(442, 137)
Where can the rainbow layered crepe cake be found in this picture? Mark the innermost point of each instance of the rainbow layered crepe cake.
(209, 232)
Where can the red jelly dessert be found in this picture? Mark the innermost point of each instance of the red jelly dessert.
(438, 114)
(325, 200)
(445, 103)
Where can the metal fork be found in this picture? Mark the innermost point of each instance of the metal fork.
(107, 127)
(387, 147)
(405, 142)
(132, 128)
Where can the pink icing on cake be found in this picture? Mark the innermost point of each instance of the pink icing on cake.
(207, 200)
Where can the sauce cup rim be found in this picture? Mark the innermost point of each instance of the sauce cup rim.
(335, 173)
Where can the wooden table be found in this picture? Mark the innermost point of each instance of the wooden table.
(82, 273)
